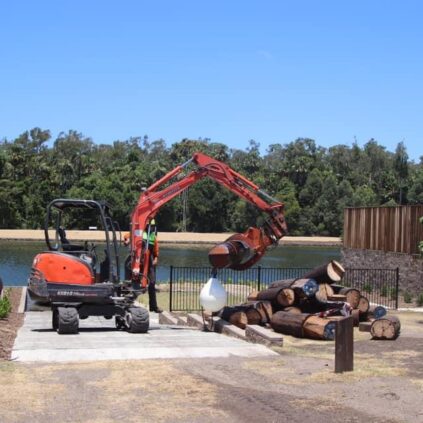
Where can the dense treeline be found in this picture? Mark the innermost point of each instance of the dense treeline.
(315, 183)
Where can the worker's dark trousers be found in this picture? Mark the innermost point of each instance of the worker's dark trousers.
(152, 288)
(151, 282)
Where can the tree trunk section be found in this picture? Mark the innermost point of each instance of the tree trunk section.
(315, 306)
(258, 312)
(376, 312)
(324, 291)
(253, 316)
(337, 297)
(302, 287)
(387, 327)
(319, 328)
(277, 296)
(283, 283)
(328, 273)
(356, 317)
(363, 306)
(288, 323)
(305, 287)
(353, 296)
(252, 296)
(234, 315)
(293, 310)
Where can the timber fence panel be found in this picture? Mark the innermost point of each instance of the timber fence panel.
(395, 229)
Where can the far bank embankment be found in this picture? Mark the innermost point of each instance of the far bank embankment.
(164, 237)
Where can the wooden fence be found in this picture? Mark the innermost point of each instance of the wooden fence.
(394, 229)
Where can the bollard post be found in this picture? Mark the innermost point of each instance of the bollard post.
(344, 345)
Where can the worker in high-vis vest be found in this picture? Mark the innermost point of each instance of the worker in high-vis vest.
(150, 241)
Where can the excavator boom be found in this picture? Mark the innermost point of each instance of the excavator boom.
(240, 251)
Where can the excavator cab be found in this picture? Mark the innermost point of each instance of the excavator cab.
(74, 264)
(103, 257)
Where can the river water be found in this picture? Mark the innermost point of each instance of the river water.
(16, 258)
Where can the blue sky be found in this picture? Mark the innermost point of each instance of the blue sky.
(231, 71)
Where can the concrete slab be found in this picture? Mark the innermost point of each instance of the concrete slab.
(99, 340)
(195, 320)
(224, 327)
(167, 318)
(261, 335)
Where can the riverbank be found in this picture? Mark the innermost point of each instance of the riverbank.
(164, 237)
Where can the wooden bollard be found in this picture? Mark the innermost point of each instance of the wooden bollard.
(344, 345)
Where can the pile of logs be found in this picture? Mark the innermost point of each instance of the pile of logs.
(308, 307)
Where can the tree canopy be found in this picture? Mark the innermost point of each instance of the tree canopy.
(315, 183)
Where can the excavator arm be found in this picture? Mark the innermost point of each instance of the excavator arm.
(240, 251)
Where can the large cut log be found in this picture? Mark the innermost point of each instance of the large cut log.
(335, 318)
(387, 327)
(282, 296)
(258, 312)
(314, 306)
(266, 311)
(252, 296)
(337, 297)
(324, 292)
(302, 287)
(283, 283)
(336, 288)
(328, 273)
(305, 287)
(356, 317)
(376, 312)
(353, 295)
(234, 315)
(363, 307)
(289, 323)
(293, 310)
(253, 316)
(319, 328)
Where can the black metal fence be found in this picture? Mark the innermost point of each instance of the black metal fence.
(380, 286)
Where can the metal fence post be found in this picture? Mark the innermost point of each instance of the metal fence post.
(396, 288)
(170, 288)
(258, 278)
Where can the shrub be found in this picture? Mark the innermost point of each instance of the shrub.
(367, 288)
(384, 291)
(419, 300)
(408, 298)
(392, 293)
(5, 305)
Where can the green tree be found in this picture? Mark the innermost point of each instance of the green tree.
(364, 196)
(415, 194)
(401, 167)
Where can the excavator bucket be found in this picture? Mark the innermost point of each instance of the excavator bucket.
(240, 251)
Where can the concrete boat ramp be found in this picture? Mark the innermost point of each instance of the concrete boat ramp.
(98, 339)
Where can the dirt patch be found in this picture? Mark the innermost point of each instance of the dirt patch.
(151, 390)
(9, 326)
(299, 385)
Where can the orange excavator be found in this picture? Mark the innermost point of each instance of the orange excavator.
(77, 284)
